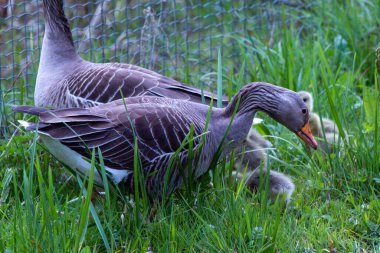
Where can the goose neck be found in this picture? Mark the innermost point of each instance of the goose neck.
(56, 24)
(250, 99)
(254, 97)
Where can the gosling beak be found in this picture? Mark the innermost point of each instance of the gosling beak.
(307, 137)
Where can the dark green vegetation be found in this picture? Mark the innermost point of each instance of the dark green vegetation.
(328, 49)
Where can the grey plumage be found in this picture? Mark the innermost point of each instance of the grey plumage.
(65, 80)
(279, 184)
(160, 125)
(249, 164)
(252, 152)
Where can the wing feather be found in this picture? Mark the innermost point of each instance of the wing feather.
(159, 131)
(102, 83)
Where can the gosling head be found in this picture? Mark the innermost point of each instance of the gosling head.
(307, 98)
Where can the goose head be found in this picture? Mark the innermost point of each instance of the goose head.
(283, 105)
(293, 113)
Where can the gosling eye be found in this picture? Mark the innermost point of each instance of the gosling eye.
(305, 99)
(304, 111)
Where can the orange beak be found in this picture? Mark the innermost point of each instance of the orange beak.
(307, 137)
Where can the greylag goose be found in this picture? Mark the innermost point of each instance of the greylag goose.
(65, 80)
(325, 128)
(160, 125)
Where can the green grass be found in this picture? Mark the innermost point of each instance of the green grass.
(336, 205)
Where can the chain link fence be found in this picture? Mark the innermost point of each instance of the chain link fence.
(179, 38)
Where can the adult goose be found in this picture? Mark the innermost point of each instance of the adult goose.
(160, 126)
(325, 128)
(65, 80)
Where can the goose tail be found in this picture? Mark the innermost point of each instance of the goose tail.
(27, 125)
(37, 111)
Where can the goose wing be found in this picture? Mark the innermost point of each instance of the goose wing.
(159, 129)
(108, 82)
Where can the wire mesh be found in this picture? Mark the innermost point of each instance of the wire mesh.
(179, 38)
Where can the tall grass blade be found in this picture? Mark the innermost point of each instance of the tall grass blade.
(85, 210)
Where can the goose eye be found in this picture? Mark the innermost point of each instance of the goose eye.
(304, 111)
(305, 99)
